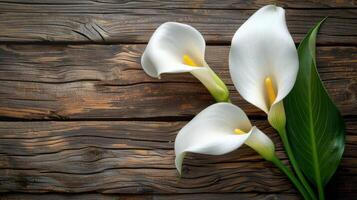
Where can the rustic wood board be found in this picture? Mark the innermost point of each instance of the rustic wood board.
(96, 196)
(137, 25)
(79, 119)
(59, 82)
(132, 157)
(112, 6)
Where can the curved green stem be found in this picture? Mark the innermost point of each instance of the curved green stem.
(292, 159)
(291, 176)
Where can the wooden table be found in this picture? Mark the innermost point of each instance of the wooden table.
(81, 120)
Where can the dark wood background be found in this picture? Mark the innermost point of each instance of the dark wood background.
(81, 120)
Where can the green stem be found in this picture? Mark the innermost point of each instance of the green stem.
(320, 189)
(291, 176)
(292, 159)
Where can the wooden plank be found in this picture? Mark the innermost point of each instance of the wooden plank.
(106, 81)
(94, 196)
(138, 157)
(83, 6)
(137, 25)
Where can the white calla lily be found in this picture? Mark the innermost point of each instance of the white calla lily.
(179, 48)
(220, 129)
(263, 62)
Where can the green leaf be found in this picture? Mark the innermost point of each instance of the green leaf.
(314, 124)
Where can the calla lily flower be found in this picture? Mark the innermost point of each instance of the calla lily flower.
(179, 48)
(263, 62)
(220, 129)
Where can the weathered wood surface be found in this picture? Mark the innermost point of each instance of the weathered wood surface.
(130, 156)
(58, 82)
(137, 157)
(137, 25)
(113, 6)
(95, 196)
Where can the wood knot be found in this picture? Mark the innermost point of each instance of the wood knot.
(94, 154)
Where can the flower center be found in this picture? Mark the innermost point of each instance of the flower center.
(187, 60)
(270, 90)
(239, 131)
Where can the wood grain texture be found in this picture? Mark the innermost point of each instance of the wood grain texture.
(79, 6)
(130, 156)
(96, 196)
(137, 157)
(137, 25)
(61, 82)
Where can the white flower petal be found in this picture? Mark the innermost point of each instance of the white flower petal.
(212, 132)
(263, 47)
(168, 44)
